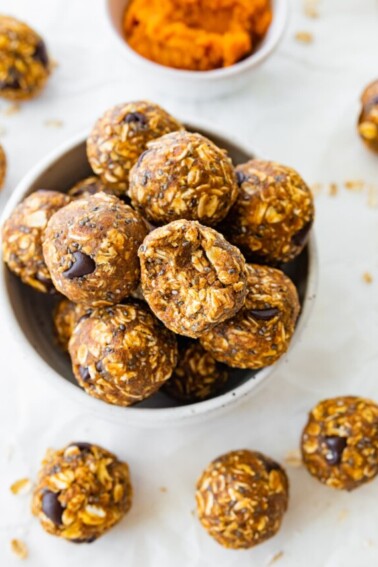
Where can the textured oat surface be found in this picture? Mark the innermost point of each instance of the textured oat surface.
(22, 237)
(340, 442)
(121, 135)
(90, 248)
(122, 354)
(368, 119)
(3, 166)
(24, 63)
(183, 175)
(192, 278)
(197, 376)
(89, 186)
(273, 213)
(82, 491)
(260, 333)
(241, 498)
(66, 315)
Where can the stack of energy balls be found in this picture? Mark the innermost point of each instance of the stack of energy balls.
(168, 249)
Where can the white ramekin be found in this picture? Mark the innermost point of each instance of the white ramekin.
(198, 85)
(26, 316)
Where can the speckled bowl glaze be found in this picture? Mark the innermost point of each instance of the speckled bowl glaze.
(26, 313)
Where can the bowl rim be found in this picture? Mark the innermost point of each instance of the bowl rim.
(135, 415)
(273, 37)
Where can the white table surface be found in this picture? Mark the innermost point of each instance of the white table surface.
(300, 108)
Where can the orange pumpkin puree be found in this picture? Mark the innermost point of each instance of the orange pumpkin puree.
(196, 34)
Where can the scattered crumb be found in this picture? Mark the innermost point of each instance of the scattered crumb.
(53, 64)
(343, 514)
(369, 543)
(316, 188)
(355, 185)
(293, 459)
(22, 486)
(311, 11)
(19, 548)
(193, 512)
(53, 123)
(367, 277)
(2, 131)
(333, 189)
(276, 557)
(163, 489)
(11, 109)
(372, 199)
(304, 37)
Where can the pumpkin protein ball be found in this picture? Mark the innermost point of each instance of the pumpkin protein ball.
(121, 135)
(192, 278)
(3, 166)
(197, 35)
(260, 333)
(122, 354)
(340, 442)
(183, 175)
(273, 213)
(368, 118)
(197, 376)
(66, 316)
(24, 62)
(90, 248)
(241, 498)
(89, 186)
(22, 237)
(82, 491)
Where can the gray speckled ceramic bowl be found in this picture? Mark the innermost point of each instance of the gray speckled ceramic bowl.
(27, 313)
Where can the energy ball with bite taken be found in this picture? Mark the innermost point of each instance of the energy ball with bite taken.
(192, 278)
(82, 492)
(89, 186)
(183, 176)
(368, 119)
(65, 318)
(122, 354)
(90, 248)
(121, 135)
(197, 376)
(340, 442)
(260, 333)
(24, 62)
(3, 166)
(241, 498)
(22, 237)
(273, 214)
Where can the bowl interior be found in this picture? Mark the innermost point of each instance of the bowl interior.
(116, 9)
(33, 310)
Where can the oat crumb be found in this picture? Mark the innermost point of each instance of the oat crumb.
(276, 557)
(293, 459)
(355, 185)
(11, 109)
(304, 37)
(372, 199)
(343, 514)
(316, 189)
(163, 489)
(54, 64)
(19, 548)
(367, 277)
(21, 486)
(53, 123)
(333, 189)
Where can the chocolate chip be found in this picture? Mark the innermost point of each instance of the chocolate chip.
(40, 54)
(136, 117)
(51, 507)
(300, 238)
(240, 177)
(12, 81)
(81, 445)
(82, 266)
(84, 373)
(336, 446)
(86, 540)
(99, 367)
(264, 314)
